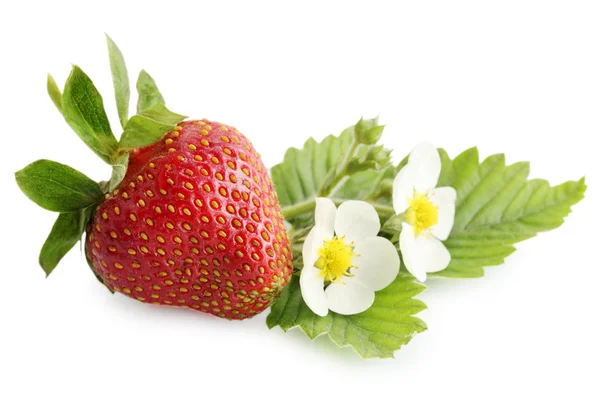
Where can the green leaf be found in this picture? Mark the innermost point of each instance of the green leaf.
(303, 172)
(54, 93)
(148, 93)
(120, 80)
(83, 110)
(385, 327)
(66, 232)
(497, 207)
(148, 127)
(58, 187)
(359, 185)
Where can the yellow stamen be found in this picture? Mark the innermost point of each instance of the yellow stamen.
(335, 259)
(422, 213)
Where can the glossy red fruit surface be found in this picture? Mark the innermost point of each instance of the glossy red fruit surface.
(195, 223)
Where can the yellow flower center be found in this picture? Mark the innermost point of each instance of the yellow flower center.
(421, 214)
(335, 258)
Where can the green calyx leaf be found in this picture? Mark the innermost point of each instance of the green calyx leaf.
(369, 158)
(66, 232)
(148, 93)
(83, 110)
(158, 112)
(119, 169)
(148, 126)
(394, 224)
(58, 187)
(153, 119)
(120, 80)
(496, 207)
(54, 93)
(377, 332)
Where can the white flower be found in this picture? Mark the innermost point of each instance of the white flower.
(343, 250)
(428, 211)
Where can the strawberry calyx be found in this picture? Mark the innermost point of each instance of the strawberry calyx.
(60, 188)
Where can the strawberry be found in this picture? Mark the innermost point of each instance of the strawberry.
(194, 223)
(189, 217)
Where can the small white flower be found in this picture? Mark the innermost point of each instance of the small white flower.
(428, 211)
(343, 250)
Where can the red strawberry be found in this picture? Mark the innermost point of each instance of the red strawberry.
(189, 217)
(195, 223)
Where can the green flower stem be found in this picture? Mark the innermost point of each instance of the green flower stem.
(384, 191)
(297, 209)
(340, 173)
(387, 185)
(308, 206)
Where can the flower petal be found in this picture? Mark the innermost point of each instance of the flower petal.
(349, 297)
(428, 165)
(444, 199)
(422, 254)
(409, 250)
(403, 189)
(356, 219)
(313, 291)
(325, 212)
(314, 240)
(378, 262)
(438, 255)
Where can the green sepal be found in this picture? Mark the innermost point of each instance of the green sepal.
(83, 110)
(148, 127)
(120, 80)
(54, 93)
(58, 187)
(369, 158)
(119, 169)
(142, 131)
(394, 224)
(158, 112)
(377, 332)
(65, 233)
(148, 93)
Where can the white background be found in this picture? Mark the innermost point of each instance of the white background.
(518, 77)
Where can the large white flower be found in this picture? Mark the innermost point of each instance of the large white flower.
(428, 212)
(344, 251)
